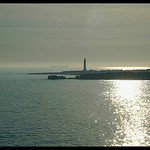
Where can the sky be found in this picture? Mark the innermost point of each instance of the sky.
(43, 35)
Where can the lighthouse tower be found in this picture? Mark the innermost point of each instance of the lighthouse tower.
(84, 69)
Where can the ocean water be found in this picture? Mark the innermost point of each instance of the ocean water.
(35, 111)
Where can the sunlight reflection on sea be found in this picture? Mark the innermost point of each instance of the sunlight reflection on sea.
(35, 111)
(132, 109)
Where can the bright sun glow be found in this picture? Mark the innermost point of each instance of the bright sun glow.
(126, 68)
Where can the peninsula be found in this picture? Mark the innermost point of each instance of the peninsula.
(99, 75)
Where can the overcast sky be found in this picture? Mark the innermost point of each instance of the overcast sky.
(33, 35)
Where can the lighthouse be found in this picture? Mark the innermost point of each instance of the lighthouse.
(84, 69)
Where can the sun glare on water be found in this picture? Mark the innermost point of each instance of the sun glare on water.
(133, 111)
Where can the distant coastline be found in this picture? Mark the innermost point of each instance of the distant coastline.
(99, 75)
(110, 75)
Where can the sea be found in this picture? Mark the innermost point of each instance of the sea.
(35, 111)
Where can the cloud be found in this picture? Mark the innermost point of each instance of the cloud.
(94, 17)
(67, 33)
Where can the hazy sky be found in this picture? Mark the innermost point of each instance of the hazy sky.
(33, 35)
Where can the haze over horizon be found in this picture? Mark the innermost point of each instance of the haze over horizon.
(43, 35)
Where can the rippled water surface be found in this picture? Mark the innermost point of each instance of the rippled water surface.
(35, 111)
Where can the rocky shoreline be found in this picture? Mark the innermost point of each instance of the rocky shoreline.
(123, 75)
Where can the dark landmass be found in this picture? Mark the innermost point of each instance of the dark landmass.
(77, 72)
(124, 75)
(110, 75)
(100, 75)
(56, 77)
